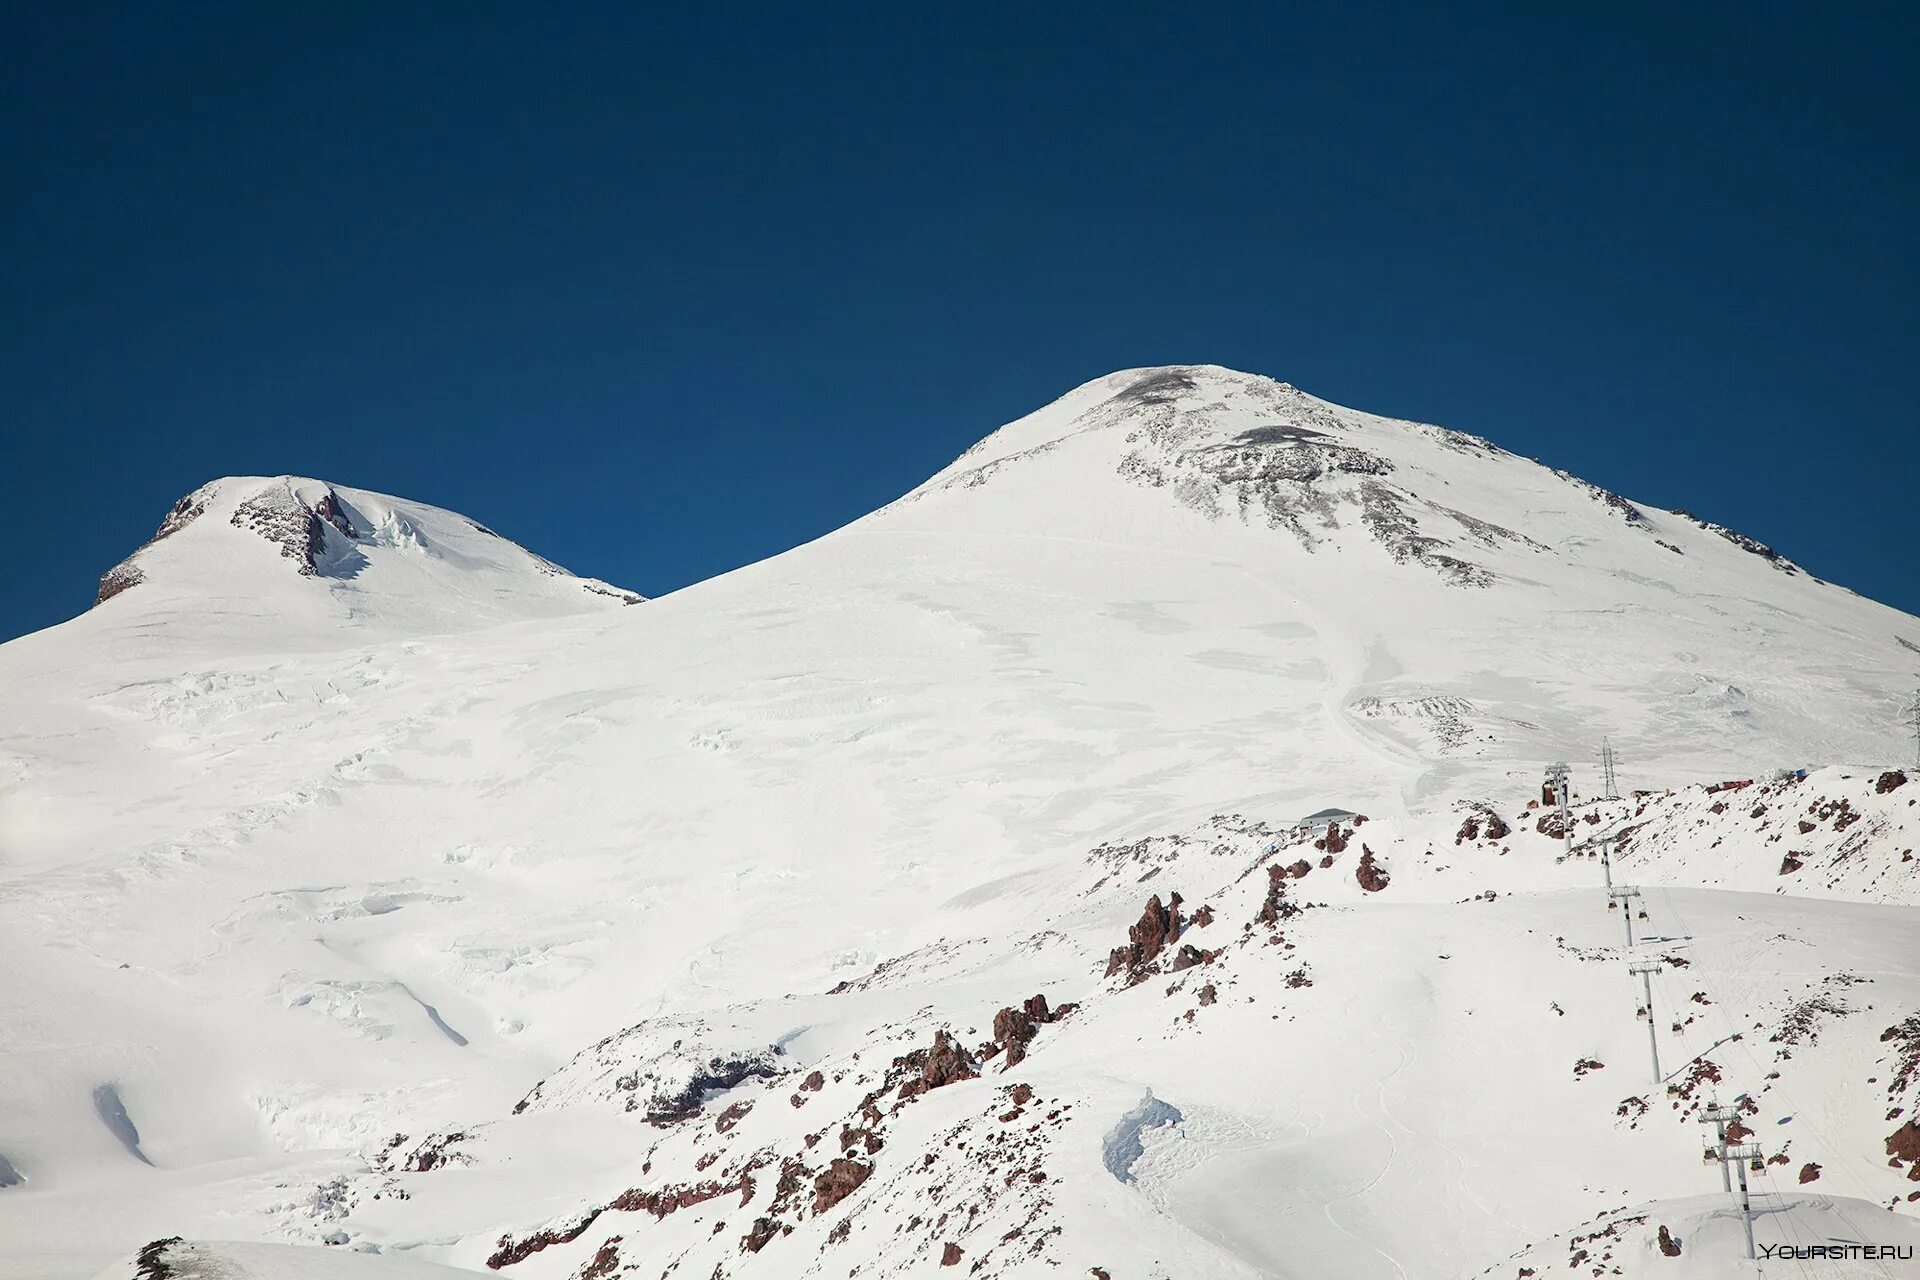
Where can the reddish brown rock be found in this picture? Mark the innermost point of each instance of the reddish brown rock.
(1669, 1243)
(947, 1062)
(732, 1116)
(1276, 907)
(1188, 956)
(1372, 877)
(1903, 1145)
(1790, 864)
(951, 1255)
(1157, 929)
(1014, 1030)
(1809, 1172)
(763, 1230)
(117, 579)
(1208, 995)
(841, 1179)
(1891, 780)
(604, 1263)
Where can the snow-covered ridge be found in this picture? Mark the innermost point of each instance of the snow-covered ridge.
(376, 557)
(1230, 444)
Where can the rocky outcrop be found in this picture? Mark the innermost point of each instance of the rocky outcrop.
(1903, 1147)
(840, 1180)
(1891, 780)
(1158, 928)
(121, 577)
(947, 1062)
(1370, 874)
(1015, 1028)
(1809, 1172)
(719, 1075)
(1669, 1243)
(1276, 906)
(605, 1263)
(151, 1261)
(951, 1255)
(300, 531)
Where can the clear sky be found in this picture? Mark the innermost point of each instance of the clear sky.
(658, 291)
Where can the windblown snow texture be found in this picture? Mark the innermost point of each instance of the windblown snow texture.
(412, 896)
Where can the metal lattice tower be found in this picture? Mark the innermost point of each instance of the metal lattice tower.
(1644, 970)
(1607, 759)
(1624, 897)
(1738, 1158)
(1913, 714)
(1719, 1117)
(1557, 785)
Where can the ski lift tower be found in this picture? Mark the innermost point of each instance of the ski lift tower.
(1557, 788)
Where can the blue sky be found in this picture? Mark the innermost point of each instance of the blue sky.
(661, 293)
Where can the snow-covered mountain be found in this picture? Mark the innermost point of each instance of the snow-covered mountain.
(295, 555)
(366, 879)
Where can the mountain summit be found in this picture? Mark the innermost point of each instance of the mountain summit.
(1236, 445)
(321, 550)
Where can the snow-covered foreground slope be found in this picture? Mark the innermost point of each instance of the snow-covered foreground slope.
(633, 920)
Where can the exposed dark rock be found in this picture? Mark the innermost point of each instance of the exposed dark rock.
(732, 1116)
(151, 1261)
(1013, 1030)
(762, 1231)
(947, 1062)
(1903, 1146)
(672, 1199)
(513, 1251)
(1208, 995)
(1790, 864)
(840, 1180)
(1669, 1243)
(1891, 780)
(1371, 876)
(1188, 957)
(1809, 1172)
(951, 1255)
(719, 1075)
(434, 1153)
(1496, 828)
(605, 1262)
(1276, 906)
(1585, 1065)
(117, 579)
(282, 518)
(1158, 927)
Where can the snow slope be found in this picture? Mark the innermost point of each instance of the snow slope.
(579, 899)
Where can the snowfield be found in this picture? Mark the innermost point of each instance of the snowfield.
(378, 895)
